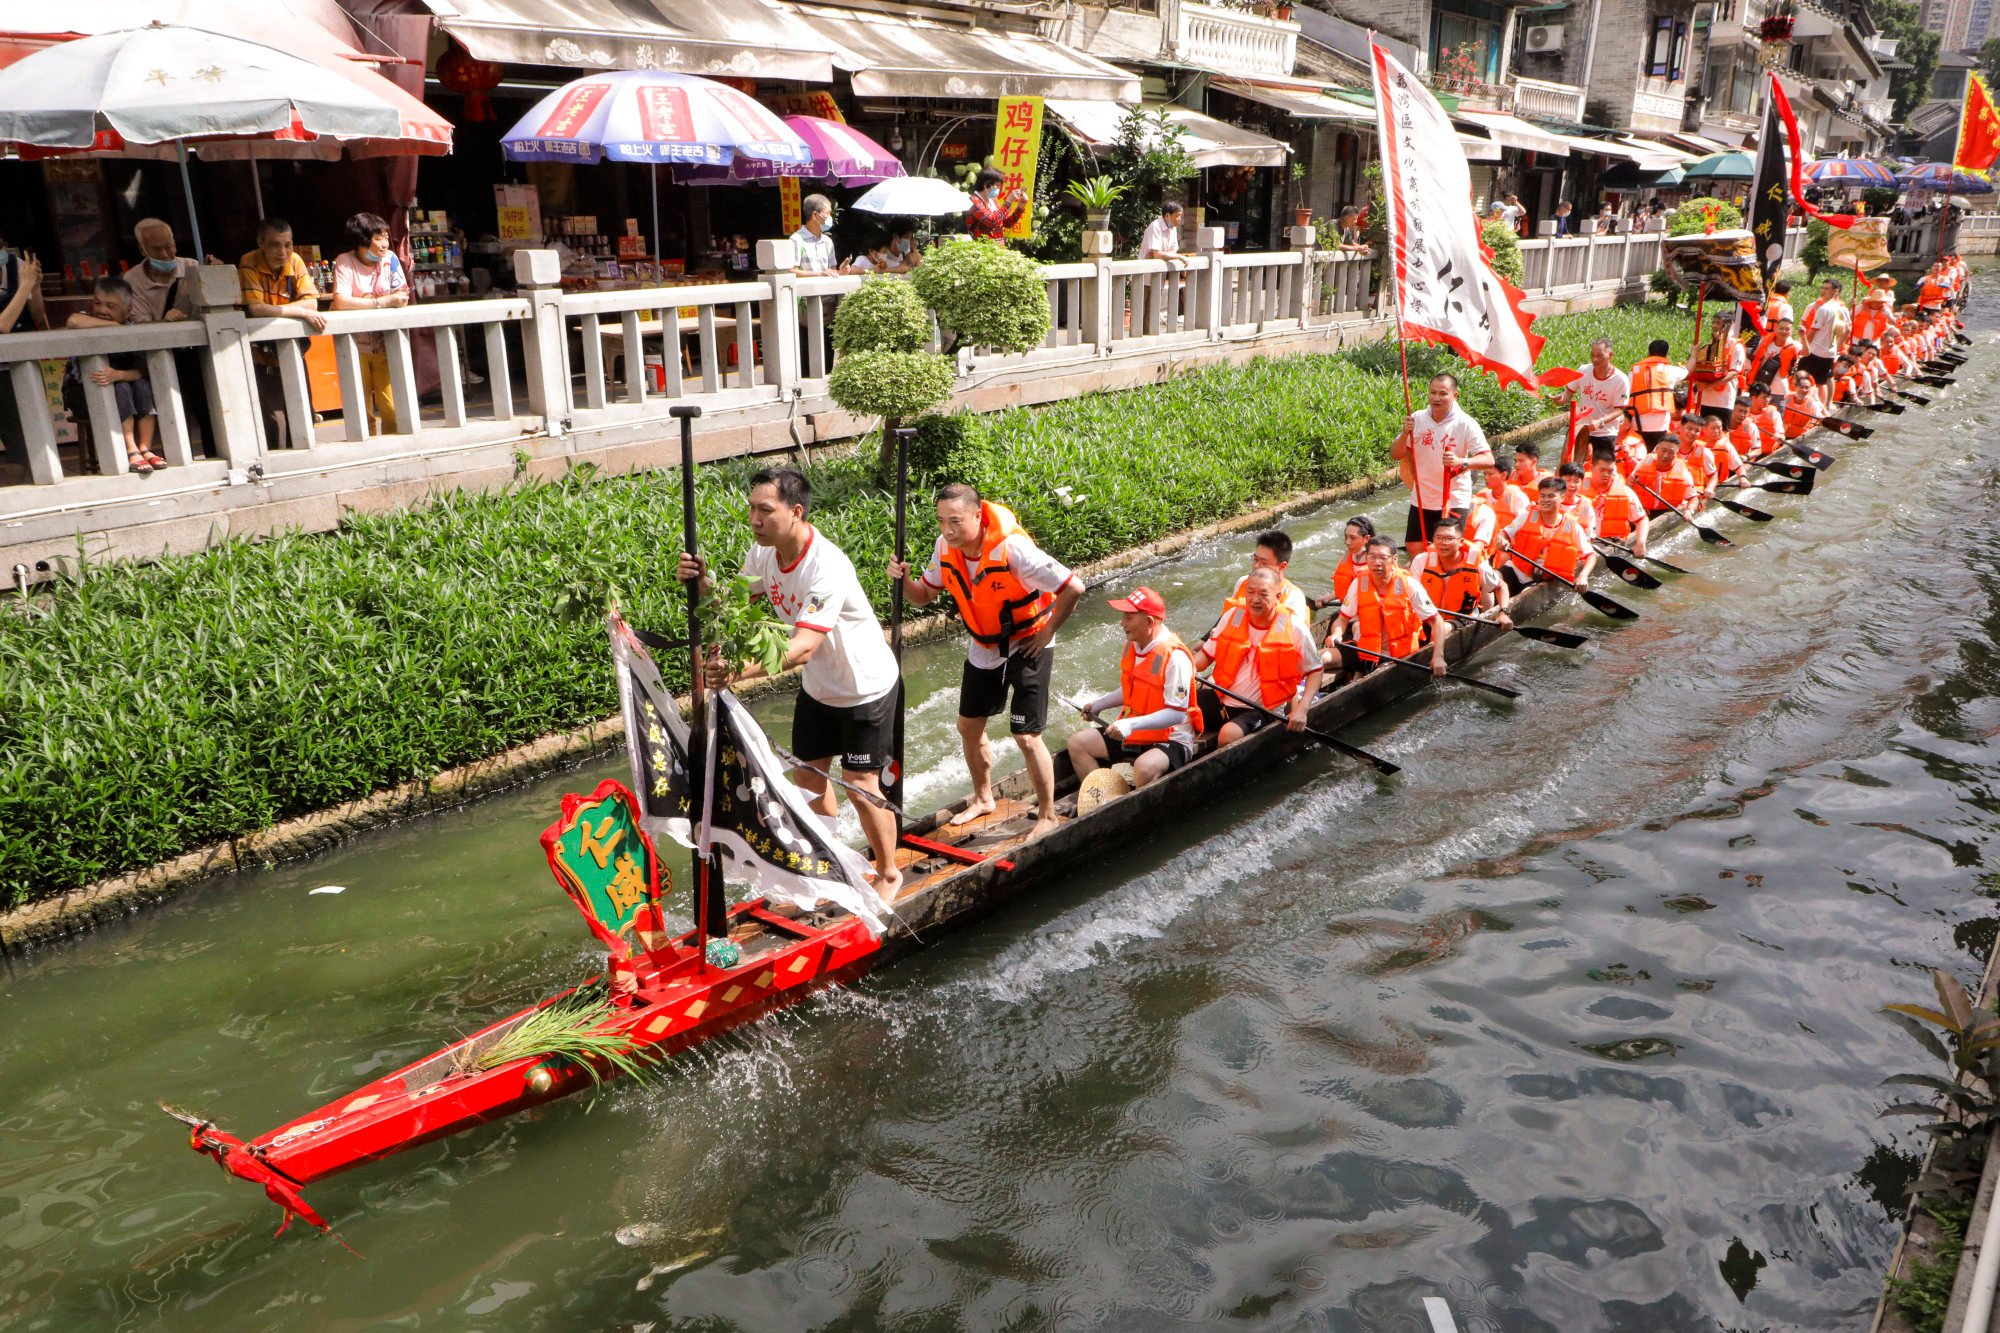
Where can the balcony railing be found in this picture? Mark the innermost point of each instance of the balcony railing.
(1547, 99)
(1234, 41)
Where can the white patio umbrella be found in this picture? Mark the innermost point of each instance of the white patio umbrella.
(914, 196)
(170, 85)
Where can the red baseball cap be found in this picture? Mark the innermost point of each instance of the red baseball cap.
(1143, 600)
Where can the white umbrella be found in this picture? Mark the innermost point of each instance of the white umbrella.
(914, 196)
(162, 84)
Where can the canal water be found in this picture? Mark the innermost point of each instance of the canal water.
(1574, 1025)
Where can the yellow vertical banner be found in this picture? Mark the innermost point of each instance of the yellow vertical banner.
(1017, 148)
(788, 204)
(815, 103)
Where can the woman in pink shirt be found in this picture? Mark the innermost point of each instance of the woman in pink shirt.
(370, 277)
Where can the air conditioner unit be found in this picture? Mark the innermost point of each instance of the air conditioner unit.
(1544, 37)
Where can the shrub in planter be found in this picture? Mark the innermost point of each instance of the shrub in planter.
(885, 315)
(895, 385)
(1506, 248)
(985, 296)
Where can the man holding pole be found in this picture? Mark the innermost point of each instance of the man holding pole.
(1445, 447)
(848, 693)
(1012, 596)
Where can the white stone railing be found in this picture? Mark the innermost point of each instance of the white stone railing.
(1232, 41)
(1545, 97)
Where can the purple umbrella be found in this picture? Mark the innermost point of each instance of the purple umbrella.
(839, 152)
(1853, 172)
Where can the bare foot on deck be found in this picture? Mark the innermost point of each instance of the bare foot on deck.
(1044, 827)
(981, 806)
(889, 885)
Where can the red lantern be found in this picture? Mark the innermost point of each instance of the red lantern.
(472, 79)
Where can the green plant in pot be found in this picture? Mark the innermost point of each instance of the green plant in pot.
(1096, 194)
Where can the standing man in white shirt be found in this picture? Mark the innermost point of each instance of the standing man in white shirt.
(1604, 392)
(814, 240)
(1823, 332)
(1445, 446)
(1012, 596)
(1162, 239)
(848, 695)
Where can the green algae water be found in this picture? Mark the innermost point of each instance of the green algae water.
(1573, 1025)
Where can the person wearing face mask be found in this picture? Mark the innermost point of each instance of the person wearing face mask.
(903, 253)
(369, 276)
(991, 215)
(815, 239)
(164, 285)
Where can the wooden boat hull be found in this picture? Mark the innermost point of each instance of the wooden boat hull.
(683, 1001)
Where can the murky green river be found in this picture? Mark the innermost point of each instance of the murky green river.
(1574, 1024)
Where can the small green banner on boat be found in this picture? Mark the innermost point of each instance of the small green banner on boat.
(604, 860)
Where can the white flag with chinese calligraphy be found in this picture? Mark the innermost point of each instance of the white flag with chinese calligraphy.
(1446, 291)
(753, 817)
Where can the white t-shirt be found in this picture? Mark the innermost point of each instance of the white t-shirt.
(1247, 683)
(1512, 213)
(1035, 568)
(1429, 441)
(1605, 397)
(1294, 598)
(1420, 600)
(1160, 238)
(820, 591)
(1829, 327)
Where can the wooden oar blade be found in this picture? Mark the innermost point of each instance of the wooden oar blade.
(1819, 458)
(1916, 398)
(1738, 507)
(1851, 429)
(1629, 572)
(1597, 601)
(1887, 409)
(1791, 471)
(1560, 637)
(1787, 487)
(1709, 535)
(1935, 381)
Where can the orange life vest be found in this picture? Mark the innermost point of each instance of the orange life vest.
(1385, 620)
(1771, 426)
(1560, 548)
(1700, 471)
(1674, 486)
(1930, 294)
(1721, 467)
(1747, 438)
(1652, 392)
(998, 609)
(1631, 452)
(1143, 681)
(1455, 589)
(1892, 356)
(1343, 574)
(1799, 420)
(1579, 507)
(1871, 318)
(1277, 656)
(1618, 508)
(1509, 502)
(1786, 357)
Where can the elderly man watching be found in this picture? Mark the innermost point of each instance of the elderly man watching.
(165, 286)
(1162, 238)
(276, 285)
(815, 245)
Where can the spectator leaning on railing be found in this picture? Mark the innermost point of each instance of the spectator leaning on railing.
(369, 276)
(1162, 238)
(164, 287)
(276, 285)
(110, 307)
(20, 312)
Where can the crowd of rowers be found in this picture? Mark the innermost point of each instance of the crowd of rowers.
(1474, 546)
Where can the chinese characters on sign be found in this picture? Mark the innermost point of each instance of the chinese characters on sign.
(788, 204)
(1017, 148)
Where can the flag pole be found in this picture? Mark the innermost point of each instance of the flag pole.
(706, 897)
(1402, 343)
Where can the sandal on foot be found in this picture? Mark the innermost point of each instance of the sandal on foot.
(154, 460)
(138, 463)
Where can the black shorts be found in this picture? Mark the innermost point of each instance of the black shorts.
(863, 735)
(1423, 522)
(1653, 437)
(1352, 661)
(1718, 413)
(1249, 721)
(982, 691)
(1819, 367)
(1118, 752)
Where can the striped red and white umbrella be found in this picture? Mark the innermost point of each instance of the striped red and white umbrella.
(1854, 172)
(652, 116)
(839, 153)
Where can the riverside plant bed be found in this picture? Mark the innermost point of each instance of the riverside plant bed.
(152, 712)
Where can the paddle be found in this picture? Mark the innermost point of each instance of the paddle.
(1916, 398)
(1791, 470)
(1625, 569)
(1852, 430)
(1961, 338)
(1738, 507)
(1935, 381)
(1775, 487)
(1892, 409)
(1819, 458)
(1424, 667)
(1376, 762)
(1707, 534)
(1591, 597)
(1667, 565)
(1562, 638)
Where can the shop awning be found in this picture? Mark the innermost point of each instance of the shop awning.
(899, 56)
(1304, 101)
(743, 38)
(1698, 144)
(1513, 132)
(1654, 155)
(1211, 142)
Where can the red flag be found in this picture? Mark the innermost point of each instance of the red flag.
(1784, 105)
(1978, 129)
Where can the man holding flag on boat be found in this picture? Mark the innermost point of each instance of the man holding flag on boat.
(1446, 292)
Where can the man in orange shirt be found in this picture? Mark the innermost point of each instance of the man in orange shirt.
(1662, 481)
(1620, 515)
(276, 284)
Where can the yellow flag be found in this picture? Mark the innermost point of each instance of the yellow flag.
(1017, 148)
